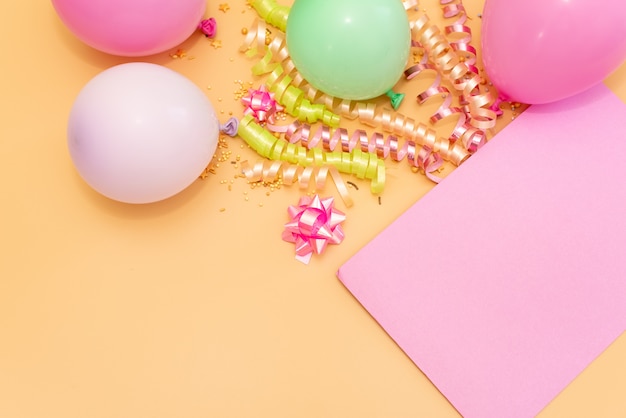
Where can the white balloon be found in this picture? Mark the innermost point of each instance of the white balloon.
(140, 132)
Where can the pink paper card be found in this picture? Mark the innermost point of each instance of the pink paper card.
(506, 280)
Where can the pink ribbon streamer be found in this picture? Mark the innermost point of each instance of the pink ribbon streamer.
(314, 223)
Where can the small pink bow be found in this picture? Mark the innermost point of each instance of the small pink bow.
(314, 224)
(261, 104)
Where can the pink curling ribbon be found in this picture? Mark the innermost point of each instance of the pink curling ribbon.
(290, 88)
(208, 27)
(314, 223)
(261, 104)
(422, 157)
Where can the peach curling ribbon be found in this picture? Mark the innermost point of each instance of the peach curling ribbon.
(422, 148)
(358, 153)
(473, 118)
(314, 223)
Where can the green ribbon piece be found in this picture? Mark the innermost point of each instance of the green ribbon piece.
(273, 13)
(364, 165)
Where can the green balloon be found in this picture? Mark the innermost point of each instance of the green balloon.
(351, 49)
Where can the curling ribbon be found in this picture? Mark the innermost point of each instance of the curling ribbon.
(356, 162)
(313, 224)
(460, 33)
(471, 137)
(408, 4)
(273, 13)
(446, 60)
(289, 95)
(417, 133)
(289, 174)
(467, 53)
(422, 158)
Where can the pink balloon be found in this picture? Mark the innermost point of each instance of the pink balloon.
(540, 51)
(131, 27)
(140, 132)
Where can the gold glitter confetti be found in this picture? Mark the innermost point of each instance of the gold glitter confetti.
(180, 53)
(216, 43)
(224, 7)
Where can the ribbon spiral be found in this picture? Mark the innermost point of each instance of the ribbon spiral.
(363, 165)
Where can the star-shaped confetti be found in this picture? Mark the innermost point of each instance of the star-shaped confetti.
(216, 43)
(180, 53)
(224, 7)
(314, 224)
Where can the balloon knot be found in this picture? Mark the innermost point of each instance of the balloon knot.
(231, 127)
(395, 98)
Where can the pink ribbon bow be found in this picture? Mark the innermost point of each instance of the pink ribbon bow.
(261, 104)
(314, 224)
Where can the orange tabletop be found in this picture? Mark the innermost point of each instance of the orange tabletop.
(195, 306)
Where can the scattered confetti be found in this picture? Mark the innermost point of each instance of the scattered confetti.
(216, 43)
(180, 53)
(224, 7)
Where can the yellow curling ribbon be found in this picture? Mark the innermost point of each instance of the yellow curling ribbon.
(272, 13)
(327, 139)
(283, 81)
(292, 91)
(363, 165)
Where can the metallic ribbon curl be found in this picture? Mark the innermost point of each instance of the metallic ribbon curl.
(287, 84)
(471, 137)
(289, 96)
(422, 158)
(281, 83)
(447, 61)
(314, 223)
(289, 174)
(458, 29)
(362, 165)
(409, 4)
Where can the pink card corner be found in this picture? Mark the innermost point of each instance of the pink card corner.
(522, 283)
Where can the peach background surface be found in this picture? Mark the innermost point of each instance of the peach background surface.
(194, 306)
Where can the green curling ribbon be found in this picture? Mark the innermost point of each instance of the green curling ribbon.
(273, 13)
(396, 98)
(294, 101)
(364, 165)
